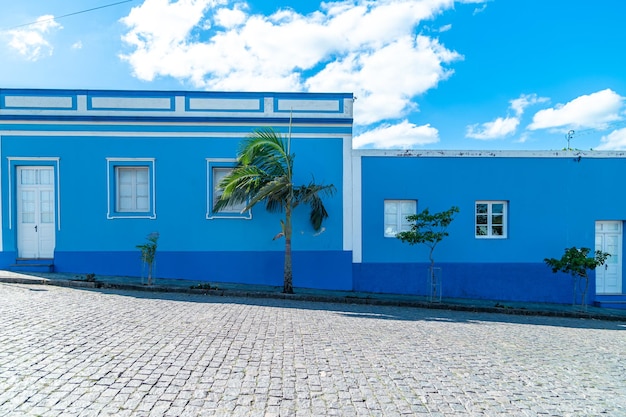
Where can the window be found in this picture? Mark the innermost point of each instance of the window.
(131, 188)
(218, 176)
(491, 219)
(396, 212)
(217, 169)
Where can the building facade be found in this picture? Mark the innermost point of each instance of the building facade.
(516, 209)
(86, 175)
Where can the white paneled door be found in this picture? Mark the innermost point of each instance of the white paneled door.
(35, 212)
(609, 275)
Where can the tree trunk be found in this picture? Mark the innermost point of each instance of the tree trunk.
(434, 285)
(288, 273)
(583, 296)
(150, 273)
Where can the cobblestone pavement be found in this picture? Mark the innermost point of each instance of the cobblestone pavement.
(71, 352)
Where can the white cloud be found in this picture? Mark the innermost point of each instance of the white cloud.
(504, 126)
(361, 46)
(588, 111)
(161, 38)
(386, 80)
(30, 41)
(445, 28)
(520, 104)
(77, 45)
(230, 18)
(523, 138)
(404, 135)
(499, 128)
(615, 140)
(479, 9)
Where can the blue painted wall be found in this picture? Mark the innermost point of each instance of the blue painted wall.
(224, 249)
(553, 203)
(190, 245)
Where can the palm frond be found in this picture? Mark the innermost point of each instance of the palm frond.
(264, 173)
(267, 150)
(311, 194)
(238, 186)
(274, 192)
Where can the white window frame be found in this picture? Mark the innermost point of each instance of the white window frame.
(490, 214)
(114, 165)
(213, 192)
(400, 224)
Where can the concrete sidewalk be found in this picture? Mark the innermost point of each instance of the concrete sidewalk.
(305, 294)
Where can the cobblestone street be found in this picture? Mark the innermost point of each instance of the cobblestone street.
(72, 352)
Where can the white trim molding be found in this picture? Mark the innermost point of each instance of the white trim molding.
(112, 162)
(53, 161)
(347, 194)
(357, 211)
(412, 153)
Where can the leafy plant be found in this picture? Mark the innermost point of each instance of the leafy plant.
(148, 253)
(429, 229)
(203, 287)
(264, 172)
(577, 263)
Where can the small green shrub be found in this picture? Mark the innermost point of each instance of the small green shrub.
(202, 287)
(577, 263)
(148, 253)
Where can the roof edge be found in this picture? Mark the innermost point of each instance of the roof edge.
(409, 153)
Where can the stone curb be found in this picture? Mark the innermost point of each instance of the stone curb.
(312, 298)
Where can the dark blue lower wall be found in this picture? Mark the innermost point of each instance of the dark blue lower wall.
(7, 258)
(529, 282)
(334, 270)
(314, 269)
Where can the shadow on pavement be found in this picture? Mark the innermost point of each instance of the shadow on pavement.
(344, 303)
(441, 313)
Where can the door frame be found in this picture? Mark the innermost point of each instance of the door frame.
(13, 164)
(621, 249)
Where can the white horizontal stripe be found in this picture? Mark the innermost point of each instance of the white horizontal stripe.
(89, 133)
(191, 123)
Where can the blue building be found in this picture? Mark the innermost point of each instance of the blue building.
(86, 175)
(516, 208)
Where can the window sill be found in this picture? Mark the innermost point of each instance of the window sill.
(131, 215)
(214, 216)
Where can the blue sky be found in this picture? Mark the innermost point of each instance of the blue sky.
(427, 74)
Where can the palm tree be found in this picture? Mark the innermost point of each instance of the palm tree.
(264, 172)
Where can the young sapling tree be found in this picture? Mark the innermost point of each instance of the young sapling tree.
(577, 263)
(429, 229)
(148, 253)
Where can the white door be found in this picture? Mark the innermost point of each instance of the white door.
(609, 239)
(35, 212)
